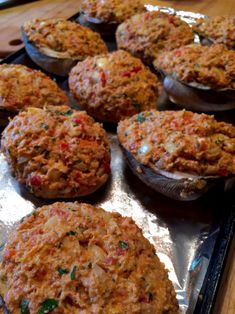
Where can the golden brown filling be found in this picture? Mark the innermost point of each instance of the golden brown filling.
(113, 86)
(75, 258)
(212, 66)
(66, 38)
(148, 34)
(112, 10)
(180, 141)
(57, 151)
(220, 29)
(22, 87)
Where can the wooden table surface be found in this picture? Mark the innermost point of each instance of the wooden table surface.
(10, 21)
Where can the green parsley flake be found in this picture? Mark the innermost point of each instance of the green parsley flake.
(73, 272)
(48, 306)
(68, 112)
(44, 126)
(140, 117)
(24, 307)
(123, 245)
(219, 142)
(62, 271)
(71, 232)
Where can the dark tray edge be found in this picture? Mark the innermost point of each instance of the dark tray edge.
(211, 283)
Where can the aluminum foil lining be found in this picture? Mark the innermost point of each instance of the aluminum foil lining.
(188, 17)
(183, 233)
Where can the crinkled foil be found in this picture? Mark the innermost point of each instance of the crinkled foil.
(183, 233)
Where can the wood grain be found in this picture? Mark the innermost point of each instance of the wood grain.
(11, 19)
(225, 303)
(10, 22)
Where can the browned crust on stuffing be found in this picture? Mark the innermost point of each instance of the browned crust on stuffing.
(86, 260)
(113, 86)
(180, 141)
(212, 66)
(218, 29)
(64, 38)
(22, 87)
(115, 11)
(148, 34)
(57, 152)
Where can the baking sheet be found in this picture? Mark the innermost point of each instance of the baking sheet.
(10, 3)
(184, 234)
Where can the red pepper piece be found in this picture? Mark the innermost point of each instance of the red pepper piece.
(64, 145)
(79, 122)
(187, 117)
(111, 260)
(120, 251)
(36, 181)
(59, 212)
(136, 69)
(175, 124)
(103, 78)
(202, 146)
(177, 53)
(133, 70)
(7, 254)
(147, 16)
(126, 74)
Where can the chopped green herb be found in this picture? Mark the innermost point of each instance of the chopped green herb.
(219, 142)
(62, 271)
(44, 126)
(48, 306)
(140, 117)
(71, 232)
(24, 307)
(197, 146)
(123, 245)
(73, 272)
(68, 112)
